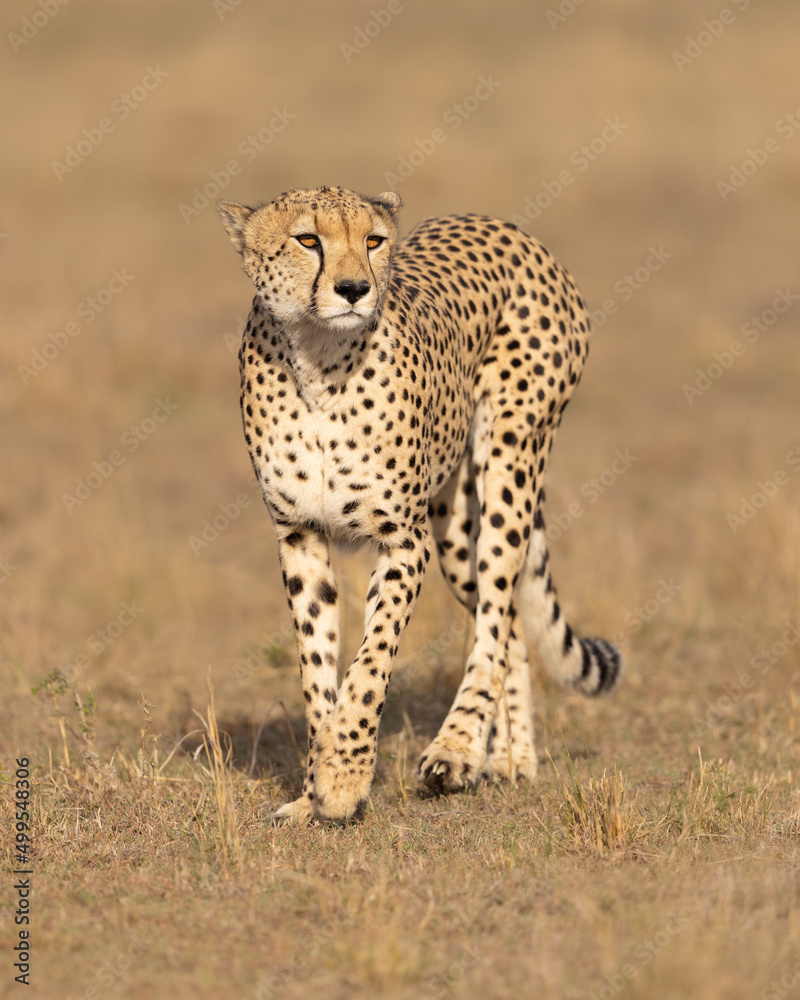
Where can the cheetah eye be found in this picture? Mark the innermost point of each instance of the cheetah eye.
(374, 241)
(308, 240)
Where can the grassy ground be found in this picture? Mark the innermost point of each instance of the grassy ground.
(656, 854)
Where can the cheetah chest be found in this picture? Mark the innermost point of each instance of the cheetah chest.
(320, 471)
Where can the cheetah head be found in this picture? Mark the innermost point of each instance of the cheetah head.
(319, 258)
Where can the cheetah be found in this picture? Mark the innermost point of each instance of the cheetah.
(406, 393)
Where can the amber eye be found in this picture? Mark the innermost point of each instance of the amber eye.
(373, 242)
(308, 240)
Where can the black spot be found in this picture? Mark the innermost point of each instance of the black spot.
(497, 520)
(294, 585)
(326, 593)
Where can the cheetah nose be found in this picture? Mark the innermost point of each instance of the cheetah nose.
(352, 290)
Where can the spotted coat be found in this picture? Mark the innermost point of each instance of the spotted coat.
(406, 394)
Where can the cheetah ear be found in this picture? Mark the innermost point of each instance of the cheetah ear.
(233, 217)
(389, 202)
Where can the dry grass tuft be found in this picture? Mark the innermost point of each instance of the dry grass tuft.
(716, 803)
(217, 769)
(600, 813)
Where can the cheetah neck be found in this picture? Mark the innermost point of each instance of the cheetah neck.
(323, 361)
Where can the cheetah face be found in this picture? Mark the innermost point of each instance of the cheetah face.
(319, 258)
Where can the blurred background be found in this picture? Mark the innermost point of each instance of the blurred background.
(654, 148)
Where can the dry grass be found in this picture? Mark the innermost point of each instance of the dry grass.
(460, 896)
(656, 854)
(600, 814)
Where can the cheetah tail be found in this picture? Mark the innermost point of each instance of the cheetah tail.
(591, 666)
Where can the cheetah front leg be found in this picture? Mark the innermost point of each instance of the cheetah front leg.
(313, 600)
(345, 748)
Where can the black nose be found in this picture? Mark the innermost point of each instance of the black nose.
(352, 290)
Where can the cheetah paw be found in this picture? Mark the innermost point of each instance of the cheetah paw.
(341, 796)
(295, 813)
(442, 770)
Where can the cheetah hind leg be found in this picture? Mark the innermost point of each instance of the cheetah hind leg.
(455, 519)
(511, 754)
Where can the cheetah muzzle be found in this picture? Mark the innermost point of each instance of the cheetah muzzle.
(407, 394)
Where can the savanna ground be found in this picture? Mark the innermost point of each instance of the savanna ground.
(656, 855)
